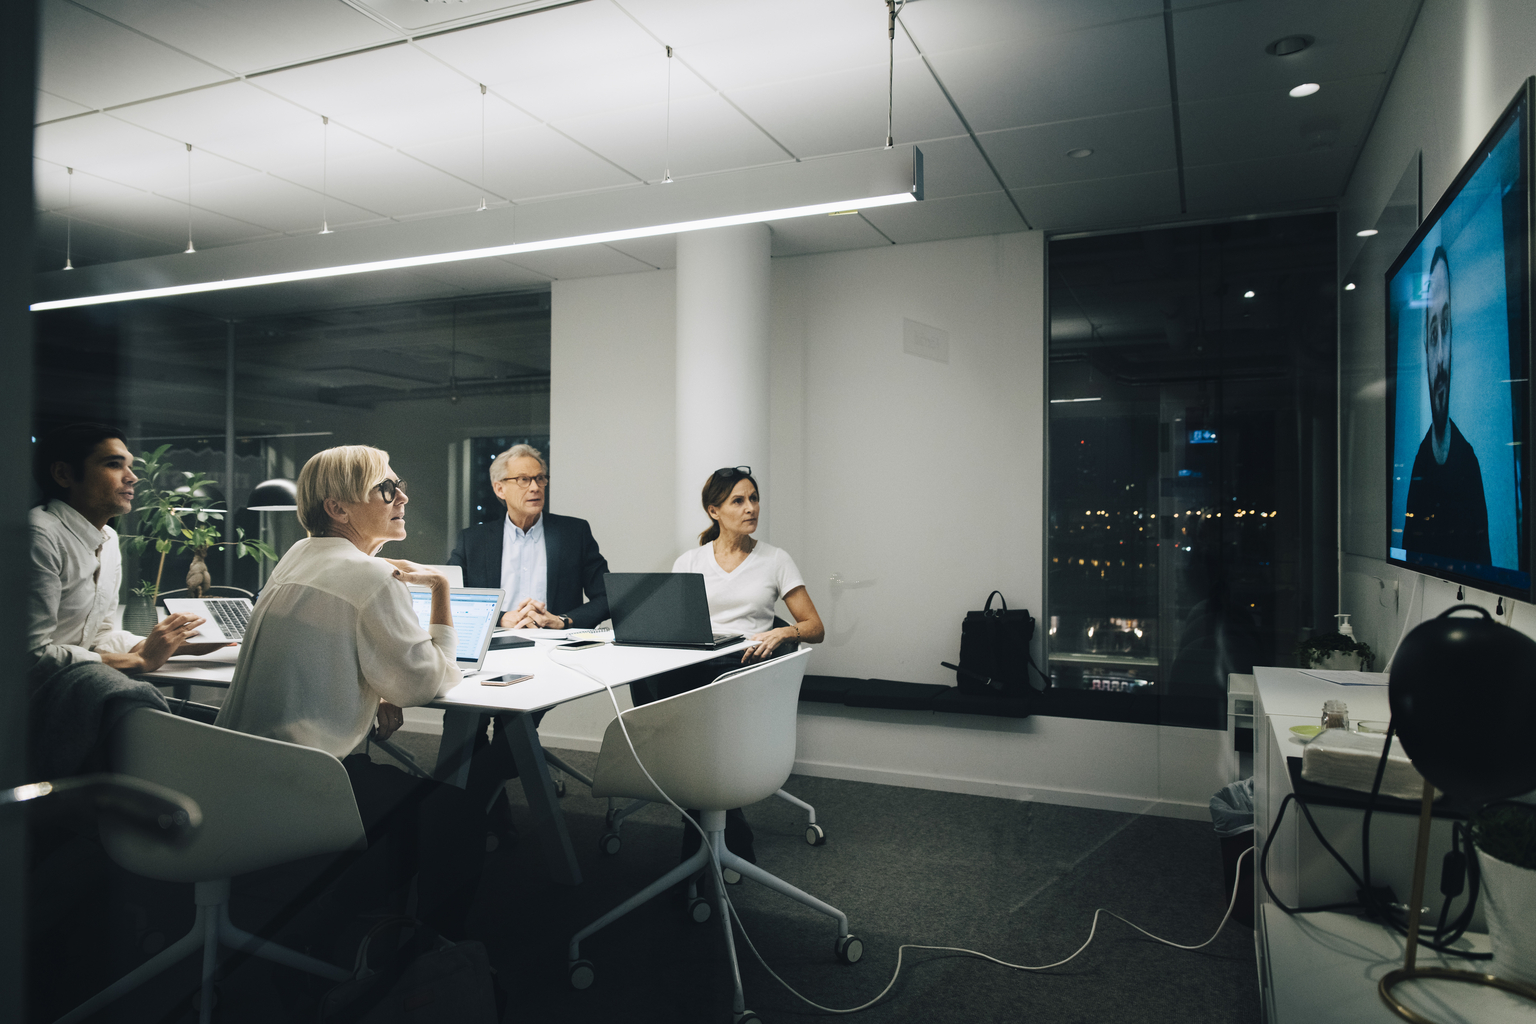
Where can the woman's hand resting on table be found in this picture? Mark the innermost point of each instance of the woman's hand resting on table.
(764, 644)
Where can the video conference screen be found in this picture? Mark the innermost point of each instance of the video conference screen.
(1458, 369)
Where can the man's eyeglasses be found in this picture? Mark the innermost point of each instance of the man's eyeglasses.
(733, 472)
(524, 482)
(388, 488)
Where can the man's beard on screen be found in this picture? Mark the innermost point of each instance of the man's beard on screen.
(1440, 399)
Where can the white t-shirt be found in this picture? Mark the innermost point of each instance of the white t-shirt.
(334, 631)
(742, 600)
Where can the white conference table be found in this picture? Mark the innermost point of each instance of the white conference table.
(555, 681)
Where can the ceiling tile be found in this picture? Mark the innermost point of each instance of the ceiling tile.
(71, 65)
(278, 205)
(378, 288)
(534, 163)
(50, 107)
(963, 24)
(581, 261)
(659, 252)
(1256, 186)
(986, 214)
(954, 167)
(397, 185)
(102, 145)
(92, 243)
(1352, 39)
(476, 277)
(1254, 125)
(846, 110)
(241, 36)
(706, 136)
(824, 234)
(1103, 202)
(1134, 142)
(1009, 84)
(56, 189)
(162, 219)
(237, 120)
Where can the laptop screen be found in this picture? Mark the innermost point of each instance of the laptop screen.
(475, 614)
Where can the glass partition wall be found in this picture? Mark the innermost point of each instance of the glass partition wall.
(1191, 483)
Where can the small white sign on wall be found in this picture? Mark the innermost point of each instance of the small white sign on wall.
(924, 341)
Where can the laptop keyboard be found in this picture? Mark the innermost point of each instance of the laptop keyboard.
(230, 615)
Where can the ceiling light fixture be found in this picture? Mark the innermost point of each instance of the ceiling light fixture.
(1305, 89)
(69, 204)
(1079, 154)
(666, 152)
(1365, 232)
(1288, 45)
(911, 195)
(189, 247)
(325, 171)
(482, 149)
(1350, 287)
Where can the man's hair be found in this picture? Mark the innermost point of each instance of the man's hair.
(70, 445)
(1438, 258)
(346, 473)
(517, 451)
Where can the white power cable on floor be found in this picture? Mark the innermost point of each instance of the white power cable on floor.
(902, 949)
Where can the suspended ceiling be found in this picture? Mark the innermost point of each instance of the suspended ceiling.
(1184, 111)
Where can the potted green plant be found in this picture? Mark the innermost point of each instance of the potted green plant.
(1504, 835)
(175, 514)
(1336, 652)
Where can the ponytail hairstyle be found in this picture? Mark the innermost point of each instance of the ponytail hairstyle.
(716, 489)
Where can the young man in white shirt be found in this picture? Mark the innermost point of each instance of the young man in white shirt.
(77, 682)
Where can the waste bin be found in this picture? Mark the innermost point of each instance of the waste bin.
(1232, 816)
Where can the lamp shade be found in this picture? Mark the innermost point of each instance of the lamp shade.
(276, 495)
(1463, 696)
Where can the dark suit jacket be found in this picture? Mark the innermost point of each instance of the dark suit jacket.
(570, 553)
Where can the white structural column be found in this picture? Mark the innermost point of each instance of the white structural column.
(722, 362)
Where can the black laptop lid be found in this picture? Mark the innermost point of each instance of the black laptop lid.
(659, 607)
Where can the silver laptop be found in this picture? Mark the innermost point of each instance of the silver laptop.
(476, 611)
(662, 609)
(227, 616)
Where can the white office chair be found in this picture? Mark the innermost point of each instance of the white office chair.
(724, 745)
(264, 802)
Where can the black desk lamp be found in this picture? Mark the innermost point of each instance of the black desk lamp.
(1463, 696)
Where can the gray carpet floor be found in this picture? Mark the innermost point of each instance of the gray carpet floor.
(1019, 881)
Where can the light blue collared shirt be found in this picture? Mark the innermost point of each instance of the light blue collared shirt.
(524, 568)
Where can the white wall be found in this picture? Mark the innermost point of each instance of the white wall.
(1464, 62)
(919, 482)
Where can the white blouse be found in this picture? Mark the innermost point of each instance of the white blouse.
(333, 633)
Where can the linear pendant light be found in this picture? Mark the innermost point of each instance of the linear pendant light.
(913, 193)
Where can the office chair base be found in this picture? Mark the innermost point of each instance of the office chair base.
(814, 836)
(211, 929)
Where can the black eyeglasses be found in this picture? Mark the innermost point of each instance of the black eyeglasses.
(388, 488)
(733, 472)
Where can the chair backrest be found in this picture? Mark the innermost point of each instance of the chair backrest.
(724, 745)
(212, 590)
(264, 802)
(454, 573)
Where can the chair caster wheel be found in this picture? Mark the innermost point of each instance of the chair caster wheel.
(849, 949)
(731, 876)
(582, 975)
(747, 1017)
(609, 844)
(699, 910)
(814, 836)
(559, 787)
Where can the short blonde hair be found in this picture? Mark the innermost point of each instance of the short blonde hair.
(346, 473)
(517, 451)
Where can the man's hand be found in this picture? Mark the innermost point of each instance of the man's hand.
(419, 575)
(531, 614)
(171, 633)
(390, 718)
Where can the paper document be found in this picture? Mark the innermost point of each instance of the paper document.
(559, 634)
(1349, 678)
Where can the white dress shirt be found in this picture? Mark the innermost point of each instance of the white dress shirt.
(524, 568)
(742, 600)
(332, 634)
(75, 573)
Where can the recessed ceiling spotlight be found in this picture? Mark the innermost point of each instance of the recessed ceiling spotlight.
(1248, 294)
(1305, 89)
(1288, 45)
(1078, 154)
(1365, 233)
(1350, 287)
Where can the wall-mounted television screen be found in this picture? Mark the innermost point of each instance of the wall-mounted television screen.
(1458, 368)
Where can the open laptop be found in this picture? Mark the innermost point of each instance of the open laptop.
(227, 616)
(662, 609)
(476, 612)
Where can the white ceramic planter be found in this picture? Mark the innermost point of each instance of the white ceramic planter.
(1509, 904)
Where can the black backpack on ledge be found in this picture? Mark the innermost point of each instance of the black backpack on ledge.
(994, 651)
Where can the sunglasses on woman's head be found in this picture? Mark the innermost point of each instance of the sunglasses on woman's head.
(733, 472)
(387, 489)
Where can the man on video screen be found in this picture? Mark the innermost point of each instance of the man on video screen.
(1447, 513)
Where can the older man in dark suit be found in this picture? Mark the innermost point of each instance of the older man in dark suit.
(544, 562)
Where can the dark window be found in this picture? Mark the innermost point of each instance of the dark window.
(1192, 453)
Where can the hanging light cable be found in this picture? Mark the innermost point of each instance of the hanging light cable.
(69, 205)
(189, 247)
(890, 89)
(482, 149)
(325, 168)
(666, 152)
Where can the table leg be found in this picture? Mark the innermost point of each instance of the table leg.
(456, 746)
(543, 804)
